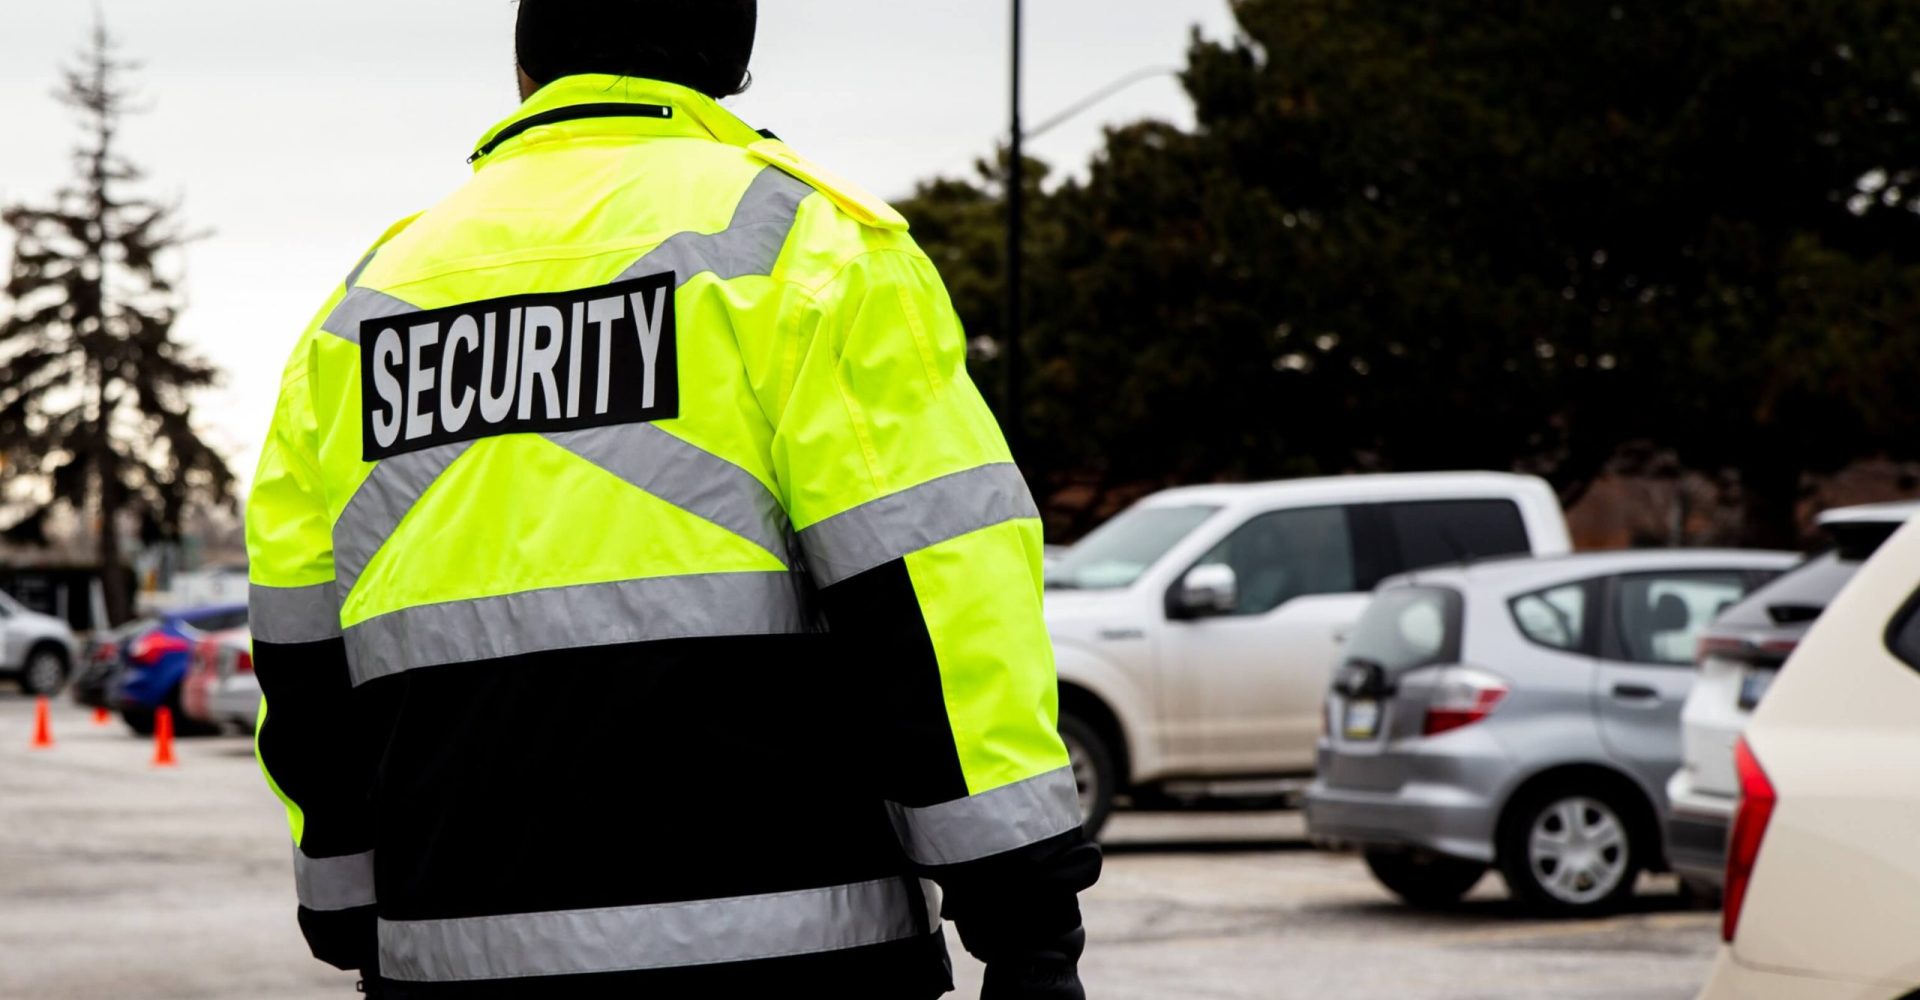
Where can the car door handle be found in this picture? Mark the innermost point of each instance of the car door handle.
(1635, 692)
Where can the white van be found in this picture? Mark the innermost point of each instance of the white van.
(1197, 632)
(1823, 885)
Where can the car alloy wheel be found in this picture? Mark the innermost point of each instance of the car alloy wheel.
(1085, 777)
(44, 673)
(1577, 850)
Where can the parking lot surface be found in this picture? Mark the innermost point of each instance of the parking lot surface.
(118, 880)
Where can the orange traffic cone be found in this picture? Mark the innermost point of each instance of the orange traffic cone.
(42, 724)
(163, 737)
(102, 717)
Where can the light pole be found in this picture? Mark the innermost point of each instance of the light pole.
(1014, 421)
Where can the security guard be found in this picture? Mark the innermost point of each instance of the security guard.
(645, 600)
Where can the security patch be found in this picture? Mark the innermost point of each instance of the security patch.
(518, 365)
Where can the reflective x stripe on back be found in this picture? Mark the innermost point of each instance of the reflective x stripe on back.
(658, 935)
(643, 455)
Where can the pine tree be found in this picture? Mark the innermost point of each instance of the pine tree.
(95, 394)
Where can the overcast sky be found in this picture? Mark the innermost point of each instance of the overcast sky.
(299, 132)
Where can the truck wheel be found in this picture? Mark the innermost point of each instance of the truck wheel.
(1427, 881)
(1571, 851)
(1092, 771)
(45, 671)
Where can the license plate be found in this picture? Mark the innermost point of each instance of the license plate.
(1753, 687)
(1363, 719)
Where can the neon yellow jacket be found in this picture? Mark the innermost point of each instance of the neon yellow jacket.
(641, 587)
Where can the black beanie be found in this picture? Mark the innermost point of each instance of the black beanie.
(703, 44)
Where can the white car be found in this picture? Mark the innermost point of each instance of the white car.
(1823, 887)
(35, 649)
(236, 695)
(1738, 658)
(1196, 633)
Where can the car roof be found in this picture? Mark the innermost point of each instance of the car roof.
(181, 614)
(1892, 512)
(1336, 489)
(1521, 571)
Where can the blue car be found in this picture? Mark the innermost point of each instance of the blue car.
(154, 661)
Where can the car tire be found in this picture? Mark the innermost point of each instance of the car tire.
(1423, 880)
(1572, 850)
(1093, 771)
(45, 670)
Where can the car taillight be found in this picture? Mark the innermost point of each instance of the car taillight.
(1757, 799)
(1763, 653)
(1464, 696)
(243, 664)
(149, 648)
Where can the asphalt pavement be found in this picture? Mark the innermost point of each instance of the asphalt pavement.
(119, 880)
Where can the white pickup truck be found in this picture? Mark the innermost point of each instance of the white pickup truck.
(1196, 633)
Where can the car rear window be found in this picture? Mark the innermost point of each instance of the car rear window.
(1408, 627)
(1904, 637)
(1796, 598)
(1555, 617)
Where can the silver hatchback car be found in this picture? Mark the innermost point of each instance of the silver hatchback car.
(1524, 715)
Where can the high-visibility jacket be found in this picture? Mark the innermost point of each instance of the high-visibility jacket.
(645, 599)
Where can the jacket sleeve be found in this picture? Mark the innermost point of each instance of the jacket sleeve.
(925, 544)
(310, 741)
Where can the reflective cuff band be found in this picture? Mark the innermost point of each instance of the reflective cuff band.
(653, 936)
(327, 884)
(600, 614)
(293, 615)
(981, 826)
(893, 527)
(690, 478)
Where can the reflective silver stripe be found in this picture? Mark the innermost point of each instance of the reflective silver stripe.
(750, 244)
(895, 526)
(381, 503)
(361, 305)
(293, 615)
(361, 268)
(1005, 819)
(653, 936)
(598, 614)
(930, 892)
(692, 479)
(327, 884)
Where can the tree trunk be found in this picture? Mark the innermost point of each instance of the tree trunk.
(113, 581)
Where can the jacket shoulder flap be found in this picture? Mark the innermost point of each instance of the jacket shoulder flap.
(853, 199)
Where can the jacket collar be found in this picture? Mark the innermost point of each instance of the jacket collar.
(595, 104)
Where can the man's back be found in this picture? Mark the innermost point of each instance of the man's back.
(644, 597)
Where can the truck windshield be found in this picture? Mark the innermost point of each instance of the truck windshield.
(1120, 550)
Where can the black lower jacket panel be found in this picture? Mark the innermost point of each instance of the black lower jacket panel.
(632, 775)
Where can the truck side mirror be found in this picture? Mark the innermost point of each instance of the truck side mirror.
(1208, 590)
